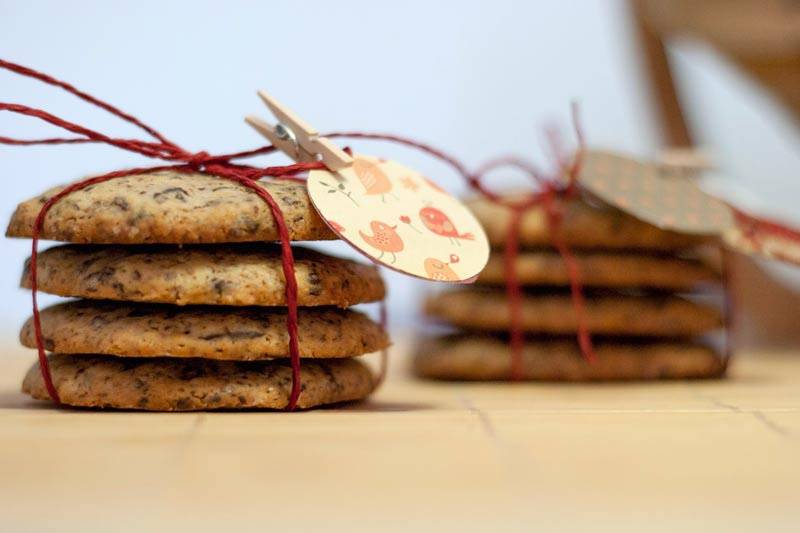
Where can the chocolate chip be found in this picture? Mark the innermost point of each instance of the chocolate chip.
(233, 335)
(315, 281)
(220, 285)
(121, 203)
(190, 372)
(172, 193)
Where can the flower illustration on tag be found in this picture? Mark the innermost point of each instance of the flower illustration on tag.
(439, 270)
(374, 180)
(405, 219)
(340, 188)
(440, 224)
(384, 238)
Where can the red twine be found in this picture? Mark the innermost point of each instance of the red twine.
(754, 230)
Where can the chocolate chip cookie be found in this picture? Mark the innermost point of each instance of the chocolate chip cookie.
(213, 332)
(166, 384)
(237, 274)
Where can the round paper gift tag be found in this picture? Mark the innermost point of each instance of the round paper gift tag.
(400, 219)
(653, 194)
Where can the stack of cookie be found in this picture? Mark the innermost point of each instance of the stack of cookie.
(637, 281)
(183, 304)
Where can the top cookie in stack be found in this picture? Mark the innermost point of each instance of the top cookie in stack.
(631, 273)
(184, 304)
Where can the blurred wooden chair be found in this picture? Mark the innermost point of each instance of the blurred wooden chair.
(762, 37)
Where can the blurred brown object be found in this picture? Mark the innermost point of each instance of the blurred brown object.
(766, 311)
(762, 37)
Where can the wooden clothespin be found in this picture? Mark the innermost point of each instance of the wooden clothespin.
(296, 138)
(684, 161)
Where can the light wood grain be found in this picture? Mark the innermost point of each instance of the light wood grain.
(419, 456)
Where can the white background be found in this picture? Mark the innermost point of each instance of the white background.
(475, 78)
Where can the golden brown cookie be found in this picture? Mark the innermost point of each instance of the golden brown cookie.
(165, 384)
(171, 207)
(214, 332)
(238, 274)
(602, 269)
(475, 357)
(618, 314)
(584, 226)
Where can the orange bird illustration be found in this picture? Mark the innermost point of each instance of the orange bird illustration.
(373, 179)
(440, 224)
(439, 270)
(384, 238)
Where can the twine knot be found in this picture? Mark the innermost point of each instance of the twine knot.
(199, 159)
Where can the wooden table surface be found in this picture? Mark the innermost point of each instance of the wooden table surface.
(710, 456)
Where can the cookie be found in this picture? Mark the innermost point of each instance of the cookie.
(171, 207)
(464, 357)
(606, 314)
(602, 269)
(584, 226)
(239, 274)
(235, 333)
(164, 384)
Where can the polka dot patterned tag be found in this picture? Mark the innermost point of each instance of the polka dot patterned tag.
(653, 194)
(400, 219)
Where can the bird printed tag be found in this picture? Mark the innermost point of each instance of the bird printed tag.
(400, 219)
